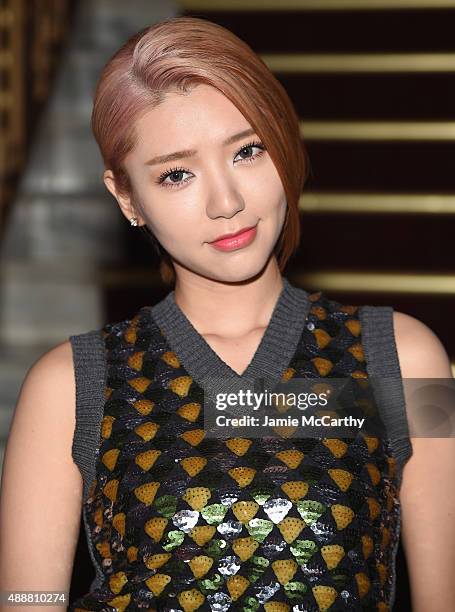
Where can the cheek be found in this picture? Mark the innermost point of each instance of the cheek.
(154, 215)
(270, 189)
(170, 226)
(276, 199)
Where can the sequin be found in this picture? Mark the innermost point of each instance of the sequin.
(310, 510)
(194, 536)
(276, 509)
(185, 519)
(219, 602)
(265, 592)
(295, 590)
(216, 548)
(261, 493)
(212, 584)
(166, 505)
(259, 529)
(214, 513)
(173, 539)
(251, 604)
(260, 561)
(228, 566)
(228, 499)
(272, 547)
(303, 550)
(258, 567)
(230, 528)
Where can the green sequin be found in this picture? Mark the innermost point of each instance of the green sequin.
(214, 513)
(173, 539)
(259, 565)
(251, 604)
(261, 492)
(211, 584)
(215, 548)
(259, 529)
(295, 590)
(310, 510)
(166, 505)
(260, 561)
(303, 550)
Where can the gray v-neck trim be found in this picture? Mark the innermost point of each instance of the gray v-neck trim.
(271, 358)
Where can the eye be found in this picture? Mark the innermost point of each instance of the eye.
(175, 176)
(246, 149)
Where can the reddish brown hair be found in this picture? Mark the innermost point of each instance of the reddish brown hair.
(172, 56)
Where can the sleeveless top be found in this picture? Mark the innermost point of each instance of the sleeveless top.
(178, 522)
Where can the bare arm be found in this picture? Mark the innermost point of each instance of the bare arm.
(41, 489)
(427, 492)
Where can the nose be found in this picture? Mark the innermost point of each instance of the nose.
(224, 198)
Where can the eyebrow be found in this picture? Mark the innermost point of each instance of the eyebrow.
(162, 159)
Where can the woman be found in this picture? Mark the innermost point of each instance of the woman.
(200, 141)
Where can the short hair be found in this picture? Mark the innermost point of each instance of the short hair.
(175, 54)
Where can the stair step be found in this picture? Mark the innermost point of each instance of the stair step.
(61, 232)
(281, 30)
(361, 96)
(330, 6)
(374, 166)
(377, 203)
(387, 131)
(66, 300)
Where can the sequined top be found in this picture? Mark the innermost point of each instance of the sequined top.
(177, 521)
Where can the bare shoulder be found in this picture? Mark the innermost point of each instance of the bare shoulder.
(421, 352)
(47, 399)
(59, 356)
(41, 486)
(52, 374)
(424, 498)
(44, 419)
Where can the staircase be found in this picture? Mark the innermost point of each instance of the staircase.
(64, 229)
(66, 235)
(373, 82)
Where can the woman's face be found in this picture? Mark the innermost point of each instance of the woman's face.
(217, 179)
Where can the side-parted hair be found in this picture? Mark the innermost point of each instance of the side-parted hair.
(174, 55)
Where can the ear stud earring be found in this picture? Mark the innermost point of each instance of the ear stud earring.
(133, 221)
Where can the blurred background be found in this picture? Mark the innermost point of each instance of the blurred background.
(373, 82)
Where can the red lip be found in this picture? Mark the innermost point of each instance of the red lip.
(223, 236)
(236, 241)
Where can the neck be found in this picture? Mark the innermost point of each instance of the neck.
(229, 309)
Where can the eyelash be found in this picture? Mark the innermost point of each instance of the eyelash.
(160, 180)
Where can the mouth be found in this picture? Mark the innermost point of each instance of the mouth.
(231, 242)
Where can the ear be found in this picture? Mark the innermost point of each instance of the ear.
(123, 200)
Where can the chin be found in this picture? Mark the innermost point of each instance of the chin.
(242, 270)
